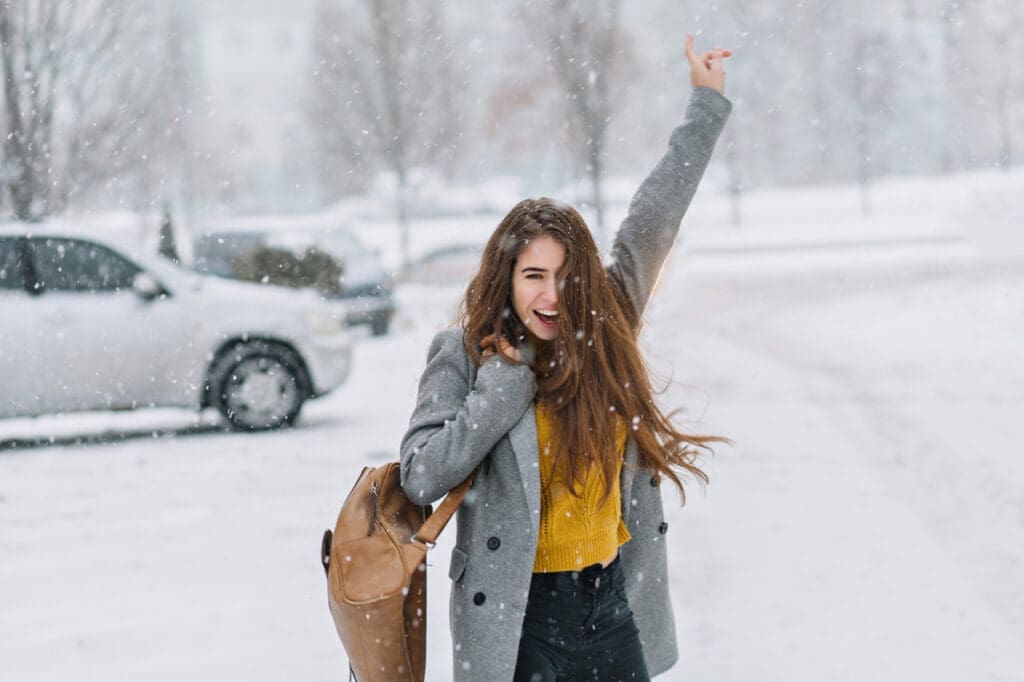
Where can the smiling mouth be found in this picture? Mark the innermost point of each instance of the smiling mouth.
(548, 318)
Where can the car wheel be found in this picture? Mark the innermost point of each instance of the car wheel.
(379, 325)
(258, 386)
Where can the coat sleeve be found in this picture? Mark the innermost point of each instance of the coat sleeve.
(645, 237)
(458, 419)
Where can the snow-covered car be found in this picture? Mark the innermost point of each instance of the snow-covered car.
(89, 326)
(449, 264)
(366, 287)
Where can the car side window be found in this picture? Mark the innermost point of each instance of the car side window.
(216, 253)
(78, 265)
(12, 268)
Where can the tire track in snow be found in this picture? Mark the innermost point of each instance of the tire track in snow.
(817, 418)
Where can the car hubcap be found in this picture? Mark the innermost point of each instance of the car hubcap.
(261, 392)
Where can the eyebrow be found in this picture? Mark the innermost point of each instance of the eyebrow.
(533, 268)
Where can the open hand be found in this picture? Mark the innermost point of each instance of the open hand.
(489, 348)
(707, 69)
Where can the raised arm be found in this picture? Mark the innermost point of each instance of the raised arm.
(646, 236)
(458, 420)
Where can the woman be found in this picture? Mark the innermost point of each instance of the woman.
(559, 568)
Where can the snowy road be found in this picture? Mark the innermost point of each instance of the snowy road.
(868, 524)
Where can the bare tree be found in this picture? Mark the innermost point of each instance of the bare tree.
(167, 142)
(736, 18)
(1001, 24)
(78, 98)
(31, 34)
(948, 16)
(585, 42)
(872, 56)
(383, 94)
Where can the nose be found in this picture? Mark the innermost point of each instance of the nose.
(551, 292)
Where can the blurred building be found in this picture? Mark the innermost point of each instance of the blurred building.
(255, 56)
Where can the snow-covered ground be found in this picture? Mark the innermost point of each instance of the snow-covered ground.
(868, 524)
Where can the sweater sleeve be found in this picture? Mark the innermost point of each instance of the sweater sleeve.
(645, 237)
(456, 423)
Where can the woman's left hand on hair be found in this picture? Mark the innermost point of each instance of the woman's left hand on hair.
(707, 69)
(487, 345)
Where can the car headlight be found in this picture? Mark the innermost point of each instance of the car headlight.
(323, 323)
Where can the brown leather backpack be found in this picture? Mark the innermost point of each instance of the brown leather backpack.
(377, 574)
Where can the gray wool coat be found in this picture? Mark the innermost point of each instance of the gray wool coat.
(467, 417)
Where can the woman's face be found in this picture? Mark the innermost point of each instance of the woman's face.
(535, 285)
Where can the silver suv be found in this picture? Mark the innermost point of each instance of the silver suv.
(87, 326)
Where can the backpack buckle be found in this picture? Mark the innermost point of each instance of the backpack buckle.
(426, 543)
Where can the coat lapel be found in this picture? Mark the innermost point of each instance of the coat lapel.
(524, 443)
(626, 478)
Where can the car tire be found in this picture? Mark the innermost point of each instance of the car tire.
(259, 386)
(380, 324)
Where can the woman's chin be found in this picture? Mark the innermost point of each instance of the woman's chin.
(540, 332)
(543, 333)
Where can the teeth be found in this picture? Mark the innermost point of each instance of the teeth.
(549, 313)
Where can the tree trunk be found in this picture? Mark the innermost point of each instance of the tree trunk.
(1002, 104)
(18, 171)
(402, 214)
(596, 190)
(735, 187)
(863, 127)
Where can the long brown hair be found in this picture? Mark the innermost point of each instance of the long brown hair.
(592, 374)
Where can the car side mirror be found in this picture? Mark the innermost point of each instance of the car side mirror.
(146, 287)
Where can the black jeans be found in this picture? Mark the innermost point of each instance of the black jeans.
(578, 626)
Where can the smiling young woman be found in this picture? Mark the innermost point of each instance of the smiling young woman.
(535, 286)
(560, 567)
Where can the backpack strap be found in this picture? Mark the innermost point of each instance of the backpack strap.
(435, 523)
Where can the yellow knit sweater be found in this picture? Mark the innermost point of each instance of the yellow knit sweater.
(576, 530)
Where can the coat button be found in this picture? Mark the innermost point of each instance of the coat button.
(493, 543)
(663, 528)
(655, 480)
(479, 598)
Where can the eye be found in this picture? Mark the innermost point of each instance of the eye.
(534, 275)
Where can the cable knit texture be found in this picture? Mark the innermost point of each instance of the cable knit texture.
(576, 529)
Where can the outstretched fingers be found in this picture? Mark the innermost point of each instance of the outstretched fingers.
(718, 53)
(707, 69)
(691, 54)
(716, 62)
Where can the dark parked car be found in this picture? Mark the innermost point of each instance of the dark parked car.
(366, 287)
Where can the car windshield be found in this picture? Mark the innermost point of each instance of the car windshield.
(342, 243)
(164, 270)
